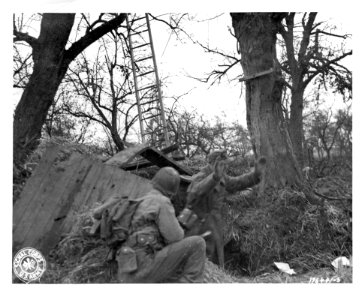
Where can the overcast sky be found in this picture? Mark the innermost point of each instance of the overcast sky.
(177, 61)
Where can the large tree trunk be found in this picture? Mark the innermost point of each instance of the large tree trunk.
(296, 124)
(49, 70)
(256, 35)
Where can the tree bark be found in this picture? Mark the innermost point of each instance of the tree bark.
(49, 70)
(51, 61)
(296, 124)
(117, 139)
(256, 35)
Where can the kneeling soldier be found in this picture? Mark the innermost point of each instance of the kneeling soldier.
(156, 250)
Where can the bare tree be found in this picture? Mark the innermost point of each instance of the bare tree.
(328, 129)
(59, 124)
(22, 54)
(51, 58)
(105, 84)
(197, 136)
(308, 58)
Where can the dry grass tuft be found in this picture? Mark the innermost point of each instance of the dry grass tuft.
(285, 227)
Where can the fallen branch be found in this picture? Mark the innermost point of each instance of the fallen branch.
(332, 198)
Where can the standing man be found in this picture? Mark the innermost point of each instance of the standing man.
(157, 251)
(205, 197)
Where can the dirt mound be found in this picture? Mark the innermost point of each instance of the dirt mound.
(284, 227)
(21, 173)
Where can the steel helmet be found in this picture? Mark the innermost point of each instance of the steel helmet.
(167, 181)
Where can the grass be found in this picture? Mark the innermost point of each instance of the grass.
(283, 227)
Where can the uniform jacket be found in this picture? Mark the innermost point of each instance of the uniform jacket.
(154, 225)
(205, 195)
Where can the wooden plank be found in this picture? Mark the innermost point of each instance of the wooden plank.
(121, 183)
(133, 186)
(50, 203)
(153, 157)
(95, 192)
(69, 188)
(104, 187)
(23, 223)
(99, 174)
(100, 190)
(125, 156)
(94, 176)
(140, 188)
(55, 223)
(169, 149)
(144, 163)
(246, 78)
(126, 183)
(37, 181)
(80, 202)
(159, 159)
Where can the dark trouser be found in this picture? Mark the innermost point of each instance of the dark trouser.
(182, 261)
(214, 242)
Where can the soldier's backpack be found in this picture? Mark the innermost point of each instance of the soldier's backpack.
(113, 220)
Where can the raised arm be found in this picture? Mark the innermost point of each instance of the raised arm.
(206, 180)
(239, 183)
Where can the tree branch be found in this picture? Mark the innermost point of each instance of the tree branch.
(332, 34)
(93, 36)
(82, 114)
(307, 29)
(324, 67)
(21, 36)
(215, 51)
(288, 37)
(173, 27)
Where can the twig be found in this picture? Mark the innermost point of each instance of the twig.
(331, 198)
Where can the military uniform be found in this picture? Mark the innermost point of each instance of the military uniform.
(162, 253)
(205, 197)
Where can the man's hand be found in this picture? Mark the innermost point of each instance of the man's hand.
(219, 170)
(260, 166)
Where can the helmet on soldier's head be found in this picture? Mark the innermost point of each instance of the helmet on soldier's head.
(167, 181)
(214, 155)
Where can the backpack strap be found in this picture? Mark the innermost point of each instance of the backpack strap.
(111, 202)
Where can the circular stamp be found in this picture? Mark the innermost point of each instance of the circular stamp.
(29, 264)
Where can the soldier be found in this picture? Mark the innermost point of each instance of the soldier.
(157, 251)
(205, 197)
